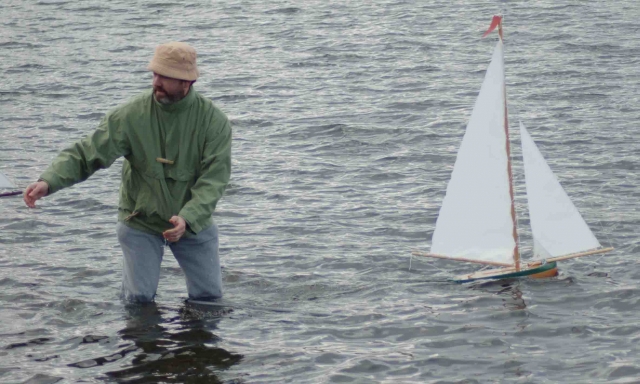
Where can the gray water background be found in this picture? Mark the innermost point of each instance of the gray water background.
(347, 117)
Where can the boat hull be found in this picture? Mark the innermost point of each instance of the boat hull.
(549, 273)
(538, 271)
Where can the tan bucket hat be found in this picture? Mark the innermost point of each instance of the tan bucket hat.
(176, 60)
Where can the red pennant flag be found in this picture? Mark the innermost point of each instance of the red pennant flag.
(494, 23)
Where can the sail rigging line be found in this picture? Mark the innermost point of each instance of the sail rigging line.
(595, 262)
(428, 263)
(605, 233)
(434, 266)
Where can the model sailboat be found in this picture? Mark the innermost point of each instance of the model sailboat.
(477, 221)
(4, 184)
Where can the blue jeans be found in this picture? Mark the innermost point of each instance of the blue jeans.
(197, 256)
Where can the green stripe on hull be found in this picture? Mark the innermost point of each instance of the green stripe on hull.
(510, 275)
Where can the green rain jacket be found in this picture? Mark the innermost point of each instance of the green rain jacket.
(177, 160)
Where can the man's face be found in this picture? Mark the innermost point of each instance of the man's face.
(168, 90)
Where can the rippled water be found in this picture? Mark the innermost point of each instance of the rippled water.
(347, 118)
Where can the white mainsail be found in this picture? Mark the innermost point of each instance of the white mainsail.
(558, 228)
(4, 182)
(475, 219)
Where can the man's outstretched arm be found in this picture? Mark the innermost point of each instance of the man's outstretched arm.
(79, 161)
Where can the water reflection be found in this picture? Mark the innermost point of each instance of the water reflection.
(512, 297)
(173, 347)
(508, 290)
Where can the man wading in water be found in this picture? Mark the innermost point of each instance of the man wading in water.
(177, 150)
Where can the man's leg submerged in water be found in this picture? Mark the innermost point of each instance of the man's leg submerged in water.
(142, 256)
(198, 258)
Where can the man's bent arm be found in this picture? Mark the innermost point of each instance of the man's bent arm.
(215, 168)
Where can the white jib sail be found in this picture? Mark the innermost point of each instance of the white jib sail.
(475, 218)
(558, 228)
(5, 183)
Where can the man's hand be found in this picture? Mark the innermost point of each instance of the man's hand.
(176, 233)
(35, 191)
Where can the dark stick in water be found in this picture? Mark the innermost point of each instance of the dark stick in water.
(12, 193)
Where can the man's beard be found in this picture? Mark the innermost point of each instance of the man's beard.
(167, 98)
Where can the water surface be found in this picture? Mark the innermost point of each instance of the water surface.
(347, 117)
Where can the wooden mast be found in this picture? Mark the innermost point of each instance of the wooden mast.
(516, 250)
